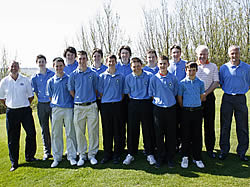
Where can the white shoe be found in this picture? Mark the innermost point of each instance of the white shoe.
(80, 162)
(184, 163)
(92, 160)
(128, 159)
(151, 159)
(72, 162)
(54, 164)
(199, 163)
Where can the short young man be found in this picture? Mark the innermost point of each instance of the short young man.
(177, 67)
(70, 55)
(208, 73)
(190, 95)
(235, 82)
(16, 94)
(110, 87)
(152, 62)
(62, 114)
(39, 82)
(163, 88)
(83, 88)
(139, 111)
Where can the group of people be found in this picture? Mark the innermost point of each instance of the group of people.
(169, 99)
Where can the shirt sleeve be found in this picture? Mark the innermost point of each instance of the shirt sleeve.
(100, 84)
(221, 76)
(126, 86)
(215, 73)
(151, 88)
(29, 89)
(2, 89)
(180, 89)
(34, 85)
(202, 88)
(49, 90)
(71, 82)
(175, 86)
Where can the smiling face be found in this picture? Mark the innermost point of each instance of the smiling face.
(202, 56)
(70, 57)
(151, 58)
(82, 60)
(136, 67)
(59, 67)
(111, 62)
(191, 72)
(97, 57)
(163, 66)
(41, 62)
(14, 68)
(234, 55)
(125, 55)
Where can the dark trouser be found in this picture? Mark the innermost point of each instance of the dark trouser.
(140, 111)
(165, 128)
(44, 113)
(178, 125)
(14, 118)
(208, 113)
(124, 119)
(191, 128)
(237, 105)
(98, 102)
(111, 127)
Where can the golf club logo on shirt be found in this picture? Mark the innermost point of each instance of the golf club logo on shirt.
(146, 82)
(21, 84)
(90, 77)
(117, 81)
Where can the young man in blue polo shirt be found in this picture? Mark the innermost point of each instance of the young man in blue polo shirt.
(163, 88)
(177, 67)
(123, 66)
(83, 88)
(62, 114)
(235, 82)
(139, 110)
(98, 67)
(39, 82)
(190, 95)
(110, 87)
(70, 55)
(152, 62)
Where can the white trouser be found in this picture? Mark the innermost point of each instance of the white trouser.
(62, 116)
(89, 114)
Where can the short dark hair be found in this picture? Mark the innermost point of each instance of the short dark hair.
(111, 56)
(40, 56)
(124, 47)
(152, 51)
(163, 57)
(136, 59)
(69, 49)
(97, 50)
(58, 59)
(175, 47)
(191, 64)
(83, 53)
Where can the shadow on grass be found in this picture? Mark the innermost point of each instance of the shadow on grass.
(232, 166)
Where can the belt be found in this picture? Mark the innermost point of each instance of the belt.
(45, 102)
(191, 109)
(234, 94)
(84, 104)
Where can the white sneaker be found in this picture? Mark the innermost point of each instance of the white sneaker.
(92, 160)
(184, 163)
(128, 159)
(72, 162)
(54, 164)
(80, 162)
(151, 159)
(199, 163)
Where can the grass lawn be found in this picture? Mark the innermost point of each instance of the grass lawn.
(231, 172)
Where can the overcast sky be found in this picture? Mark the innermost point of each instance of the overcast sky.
(32, 27)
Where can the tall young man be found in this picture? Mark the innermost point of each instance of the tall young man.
(151, 62)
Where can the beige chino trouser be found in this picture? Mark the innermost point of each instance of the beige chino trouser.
(89, 115)
(61, 116)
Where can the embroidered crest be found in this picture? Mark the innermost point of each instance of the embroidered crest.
(21, 84)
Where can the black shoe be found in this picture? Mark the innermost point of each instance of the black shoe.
(171, 164)
(211, 154)
(13, 168)
(31, 159)
(158, 164)
(105, 160)
(46, 157)
(116, 160)
(243, 158)
(222, 156)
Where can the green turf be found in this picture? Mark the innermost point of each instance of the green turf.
(230, 172)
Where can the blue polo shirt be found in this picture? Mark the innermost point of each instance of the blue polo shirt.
(57, 89)
(84, 84)
(178, 69)
(191, 90)
(39, 82)
(70, 67)
(235, 79)
(111, 86)
(152, 70)
(163, 89)
(137, 86)
(123, 69)
(99, 70)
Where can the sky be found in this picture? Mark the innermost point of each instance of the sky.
(32, 27)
